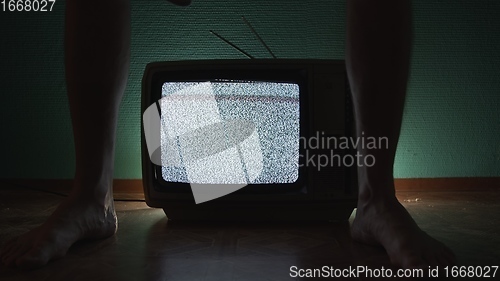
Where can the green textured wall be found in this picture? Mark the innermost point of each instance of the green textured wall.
(452, 120)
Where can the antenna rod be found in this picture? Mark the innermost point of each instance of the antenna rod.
(232, 45)
(258, 37)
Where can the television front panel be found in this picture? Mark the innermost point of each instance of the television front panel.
(244, 123)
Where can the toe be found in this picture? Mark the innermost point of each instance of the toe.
(20, 250)
(432, 259)
(7, 248)
(443, 261)
(413, 262)
(32, 260)
(449, 256)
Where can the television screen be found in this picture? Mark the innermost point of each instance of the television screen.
(230, 132)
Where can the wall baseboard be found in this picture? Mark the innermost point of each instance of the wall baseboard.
(132, 188)
(122, 188)
(448, 184)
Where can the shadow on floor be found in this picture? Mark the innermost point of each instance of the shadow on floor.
(149, 247)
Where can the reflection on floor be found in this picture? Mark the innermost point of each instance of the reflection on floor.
(147, 247)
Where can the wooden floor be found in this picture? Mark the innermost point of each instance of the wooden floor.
(148, 247)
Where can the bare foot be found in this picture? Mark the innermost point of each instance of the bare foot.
(76, 218)
(387, 223)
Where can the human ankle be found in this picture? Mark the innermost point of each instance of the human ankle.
(376, 197)
(100, 194)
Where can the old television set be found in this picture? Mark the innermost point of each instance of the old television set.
(208, 125)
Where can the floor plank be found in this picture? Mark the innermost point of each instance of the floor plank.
(149, 247)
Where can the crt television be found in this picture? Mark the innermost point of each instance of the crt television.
(241, 139)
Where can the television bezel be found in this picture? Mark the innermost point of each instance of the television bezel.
(298, 71)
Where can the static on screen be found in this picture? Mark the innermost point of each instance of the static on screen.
(230, 132)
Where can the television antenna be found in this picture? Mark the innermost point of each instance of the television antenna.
(241, 50)
(231, 44)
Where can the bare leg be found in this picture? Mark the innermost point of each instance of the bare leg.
(97, 60)
(378, 56)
